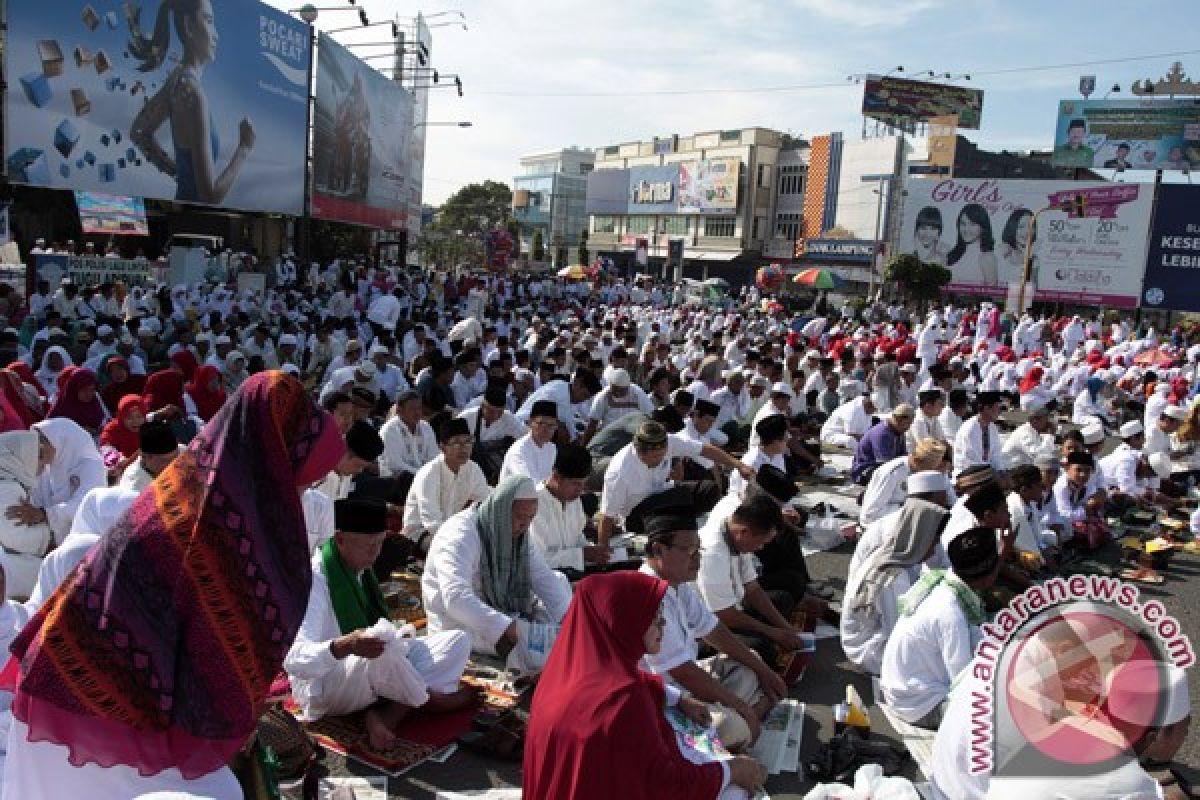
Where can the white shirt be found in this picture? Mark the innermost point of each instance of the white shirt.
(754, 458)
(628, 481)
(924, 427)
(1031, 536)
(951, 777)
(1119, 469)
(1022, 446)
(848, 419)
(405, 450)
(686, 619)
(950, 423)
(864, 632)
(526, 458)
(723, 574)
(607, 409)
(1157, 441)
(733, 406)
(318, 517)
(886, 490)
(508, 425)
(559, 392)
(926, 651)
(438, 494)
(557, 530)
(1070, 502)
(385, 311)
(451, 584)
(969, 450)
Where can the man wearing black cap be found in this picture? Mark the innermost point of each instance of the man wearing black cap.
(1076, 496)
(934, 639)
(533, 454)
(736, 684)
(409, 442)
(444, 486)
(494, 429)
(348, 656)
(983, 504)
(701, 428)
(565, 396)
(558, 529)
(978, 440)
(157, 447)
(363, 447)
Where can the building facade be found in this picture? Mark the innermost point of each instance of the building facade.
(549, 196)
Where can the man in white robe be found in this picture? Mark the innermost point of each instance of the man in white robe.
(1030, 438)
(348, 657)
(557, 530)
(978, 440)
(444, 486)
(931, 403)
(409, 442)
(533, 454)
(886, 490)
(1159, 435)
(849, 422)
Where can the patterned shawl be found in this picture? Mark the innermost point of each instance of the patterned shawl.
(159, 649)
(504, 561)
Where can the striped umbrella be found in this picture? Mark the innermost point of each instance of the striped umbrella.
(816, 278)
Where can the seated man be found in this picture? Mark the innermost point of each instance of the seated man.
(616, 400)
(557, 530)
(728, 579)
(978, 440)
(1076, 497)
(881, 443)
(483, 576)
(931, 403)
(736, 684)
(363, 447)
(643, 468)
(409, 442)
(443, 487)
(771, 433)
(157, 448)
(1031, 437)
(1119, 469)
(494, 429)
(848, 422)
(348, 656)
(885, 491)
(938, 629)
(533, 454)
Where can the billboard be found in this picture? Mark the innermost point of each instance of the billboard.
(362, 129)
(607, 191)
(111, 214)
(900, 100)
(1173, 259)
(978, 229)
(654, 190)
(1128, 134)
(709, 187)
(100, 101)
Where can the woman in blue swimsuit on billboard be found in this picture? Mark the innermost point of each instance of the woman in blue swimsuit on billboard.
(182, 101)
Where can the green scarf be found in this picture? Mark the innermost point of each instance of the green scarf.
(357, 602)
(503, 561)
(968, 601)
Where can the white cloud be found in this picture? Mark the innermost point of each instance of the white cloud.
(868, 13)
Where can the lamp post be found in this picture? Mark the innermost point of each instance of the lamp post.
(1027, 261)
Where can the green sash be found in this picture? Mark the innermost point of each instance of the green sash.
(357, 603)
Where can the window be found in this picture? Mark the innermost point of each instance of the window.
(764, 176)
(731, 136)
(675, 226)
(640, 224)
(791, 180)
(756, 230)
(604, 224)
(719, 226)
(787, 226)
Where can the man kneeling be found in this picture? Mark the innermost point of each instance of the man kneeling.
(348, 656)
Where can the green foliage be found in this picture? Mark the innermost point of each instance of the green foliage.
(920, 281)
(329, 240)
(476, 209)
(538, 250)
(514, 230)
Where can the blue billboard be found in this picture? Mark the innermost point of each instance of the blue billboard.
(637, 190)
(196, 102)
(1173, 258)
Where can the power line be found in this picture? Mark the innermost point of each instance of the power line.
(802, 87)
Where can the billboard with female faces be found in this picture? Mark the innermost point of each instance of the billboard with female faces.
(979, 229)
(199, 101)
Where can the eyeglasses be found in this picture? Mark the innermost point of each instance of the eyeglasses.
(460, 442)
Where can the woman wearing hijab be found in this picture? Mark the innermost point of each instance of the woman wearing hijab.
(205, 393)
(26, 375)
(78, 401)
(25, 544)
(1089, 408)
(880, 575)
(121, 432)
(1032, 380)
(597, 729)
(117, 381)
(13, 402)
(212, 558)
(185, 363)
(235, 370)
(71, 466)
(55, 360)
(163, 388)
(885, 391)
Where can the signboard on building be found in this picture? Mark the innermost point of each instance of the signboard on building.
(362, 129)
(709, 186)
(654, 190)
(978, 229)
(943, 142)
(1173, 259)
(111, 214)
(607, 191)
(1147, 133)
(900, 100)
(857, 251)
(91, 270)
(94, 102)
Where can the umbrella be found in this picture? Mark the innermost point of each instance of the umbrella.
(819, 279)
(576, 272)
(718, 282)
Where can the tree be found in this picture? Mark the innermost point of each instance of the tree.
(921, 281)
(837, 232)
(477, 208)
(538, 250)
(583, 248)
(514, 230)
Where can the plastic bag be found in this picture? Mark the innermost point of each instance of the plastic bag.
(869, 784)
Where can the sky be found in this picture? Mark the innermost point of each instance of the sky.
(540, 75)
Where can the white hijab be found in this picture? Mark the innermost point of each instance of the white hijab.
(73, 447)
(19, 458)
(49, 377)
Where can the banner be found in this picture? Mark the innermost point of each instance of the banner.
(654, 190)
(978, 228)
(362, 129)
(709, 187)
(99, 100)
(1128, 134)
(900, 100)
(91, 270)
(1173, 259)
(107, 213)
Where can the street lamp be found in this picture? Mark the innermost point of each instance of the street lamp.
(308, 12)
(363, 16)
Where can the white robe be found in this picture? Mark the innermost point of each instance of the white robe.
(526, 458)
(557, 530)
(885, 491)
(437, 494)
(846, 424)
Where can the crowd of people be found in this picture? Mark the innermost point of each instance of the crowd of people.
(596, 482)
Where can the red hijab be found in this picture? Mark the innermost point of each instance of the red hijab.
(114, 391)
(186, 362)
(13, 389)
(89, 415)
(163, 388)
(1032, 380)
(61, 381)
(207, 402)
(118, 435)
(22, 369)
(597, 729)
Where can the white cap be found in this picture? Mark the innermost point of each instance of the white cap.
(760, 380)
(1175, 412)
(379, 350)
(291, 369)
(56, 332)
(1033, 402)
(522, 374)
(1093, 434)
(813, 354)
(1161, 464)
(288, 338)
(1131, 428)
(619, 378)
(909, 367)
(366, 368)
(223, 339)
(782, 388)
(104, 330)
(930, 480)
(234, 355)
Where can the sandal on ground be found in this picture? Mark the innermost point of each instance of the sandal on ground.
(505, 740)
(1142, 575)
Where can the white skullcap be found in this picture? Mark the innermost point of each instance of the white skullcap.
(1047, 459)
(910, 367)
(1175, 412)
(224, 339)
(291, 369)
(1093, 434)
(104, 330)
(1033, 402)
(930, 480)
(760, 380)
(379, 350)
(813, 354)
(288, 338)
(1131, 428)
(522, 374)
(619, 378)
(526, 490)
(782, 388)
